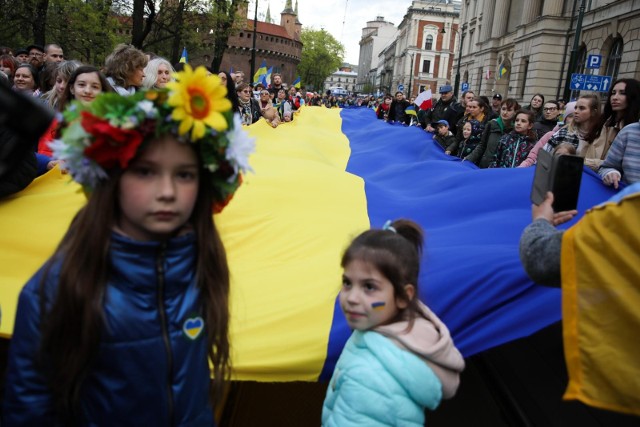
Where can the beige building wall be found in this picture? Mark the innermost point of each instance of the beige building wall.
(533, 40)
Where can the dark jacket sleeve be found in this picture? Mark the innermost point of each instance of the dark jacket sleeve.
(27, 400)
(22, 167)
(540, 246)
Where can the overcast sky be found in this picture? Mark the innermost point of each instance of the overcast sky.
(330, 14)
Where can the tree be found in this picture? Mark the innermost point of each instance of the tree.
(85, 30)
(322, 54)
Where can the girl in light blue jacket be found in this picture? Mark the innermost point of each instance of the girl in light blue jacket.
(400, 358)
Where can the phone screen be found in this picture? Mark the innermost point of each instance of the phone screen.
(566, 184)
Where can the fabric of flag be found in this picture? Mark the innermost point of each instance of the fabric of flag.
(230, 70)
(487, 74)
(502, 70)
(297, 83)
(411, 110)
(424, 100)
(290, 221)
(268, 77)
(600, 303)
(262, 71)
(184, 58)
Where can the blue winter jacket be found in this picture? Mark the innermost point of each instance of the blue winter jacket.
(151, 369)
(376, 383)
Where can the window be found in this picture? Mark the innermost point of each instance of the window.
(426, 66)
(614, 58)
(428, 44)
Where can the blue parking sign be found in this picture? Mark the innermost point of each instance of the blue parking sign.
(594, 61)
(465, 86)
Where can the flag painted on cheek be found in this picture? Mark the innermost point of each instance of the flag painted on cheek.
(378, 306)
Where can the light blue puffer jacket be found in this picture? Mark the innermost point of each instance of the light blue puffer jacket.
(376, 383)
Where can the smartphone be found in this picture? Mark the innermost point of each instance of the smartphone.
(562, 176)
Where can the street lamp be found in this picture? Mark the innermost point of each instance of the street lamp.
(574, 52)
(411, 76)
(253, 49)
(456, 84)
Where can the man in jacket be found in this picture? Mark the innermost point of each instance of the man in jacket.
(397, 110)
(446, 108)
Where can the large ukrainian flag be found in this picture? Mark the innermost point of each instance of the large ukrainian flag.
(319, 181)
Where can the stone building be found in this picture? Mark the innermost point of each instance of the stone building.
(521, 47)
(278, 45)
(421, 54)
(344, 77)
(375, 37)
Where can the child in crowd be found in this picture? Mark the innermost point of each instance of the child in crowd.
(564, 148)
(514, 147)
(122, 323)
(471, 134)
(443, 136)
(400, 358)
(382, 112)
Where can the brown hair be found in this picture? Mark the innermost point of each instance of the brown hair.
(123, 62)
(395, 252)
(67, 97)
(594, 121)
(72, 328)
(510, 103)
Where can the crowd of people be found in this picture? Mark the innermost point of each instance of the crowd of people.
(500, 133)
(159, 200)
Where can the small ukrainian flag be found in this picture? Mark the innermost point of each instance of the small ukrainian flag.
(184, 57)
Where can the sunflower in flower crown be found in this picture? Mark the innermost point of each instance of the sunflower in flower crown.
(199, 100)
(108, 133)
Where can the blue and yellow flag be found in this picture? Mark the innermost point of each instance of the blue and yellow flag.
(184, 57)
(411, 110)
(262, 71)
(296, 83)
(268, 77)
(600, 303)
(289, 223)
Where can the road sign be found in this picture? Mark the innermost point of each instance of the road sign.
(400, 87)
(590, 82)
(465, 86)
(594, 61)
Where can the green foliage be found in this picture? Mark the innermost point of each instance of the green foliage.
(322, 54)
(87, 30)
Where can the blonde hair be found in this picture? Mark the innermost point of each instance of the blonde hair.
(151, 72)
(64, 69)
(122, 62)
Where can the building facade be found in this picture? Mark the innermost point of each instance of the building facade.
(345, 77)
(522, 47)
(419, 56)
(278, 45)
(375, 37)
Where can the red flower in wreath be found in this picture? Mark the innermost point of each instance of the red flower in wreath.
(111, 145)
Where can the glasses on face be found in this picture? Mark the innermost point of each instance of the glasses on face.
(264, 93)
(246, 91)
(550, 108)
(35, 54)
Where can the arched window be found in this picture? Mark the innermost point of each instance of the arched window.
(614, 58)
(428, 44)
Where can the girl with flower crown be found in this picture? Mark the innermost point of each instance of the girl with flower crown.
(122, 323)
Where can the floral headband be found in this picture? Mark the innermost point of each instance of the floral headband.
(108, 132)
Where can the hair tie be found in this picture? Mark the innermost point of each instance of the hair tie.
(387, 226)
